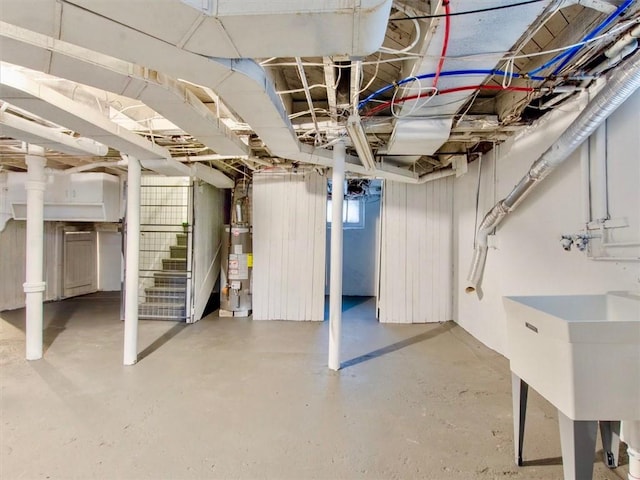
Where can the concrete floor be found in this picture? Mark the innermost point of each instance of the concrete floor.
(233, 398)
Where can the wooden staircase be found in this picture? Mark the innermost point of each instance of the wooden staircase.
(167, 299)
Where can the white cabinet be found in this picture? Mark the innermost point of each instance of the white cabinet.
(78, 197)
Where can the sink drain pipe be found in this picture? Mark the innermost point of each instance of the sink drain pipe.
(620, 85)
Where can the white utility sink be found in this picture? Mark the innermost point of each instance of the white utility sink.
(582, 353)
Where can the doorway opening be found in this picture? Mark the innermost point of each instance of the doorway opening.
(361, 248)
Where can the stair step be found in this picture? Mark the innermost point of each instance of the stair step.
(182, 239)
(170, 290)
(178, 251)
(170, 279)
(166, 295)
(161, 310)
(174, 264)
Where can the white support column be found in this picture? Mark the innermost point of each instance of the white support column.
(34, 284)
(132, 262)
(335, 292)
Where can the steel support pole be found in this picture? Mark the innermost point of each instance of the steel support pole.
(335, 292)
(34, 284)
(132, 262)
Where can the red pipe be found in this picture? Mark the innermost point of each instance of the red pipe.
(445, 45)
(384, 105)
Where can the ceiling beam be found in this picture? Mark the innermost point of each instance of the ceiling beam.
(50, 138)
(330, 82)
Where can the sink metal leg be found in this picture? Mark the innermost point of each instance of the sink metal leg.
(610, 433)
(578, 441)
(519, 394)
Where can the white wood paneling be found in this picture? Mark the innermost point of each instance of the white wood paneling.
(13, 258)
(80, 263)
(416, 258)
(207, 238)
(289, 221)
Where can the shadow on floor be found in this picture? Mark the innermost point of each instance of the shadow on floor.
(58, 322)
(161, 340)
(349, 303)
(394, 347)
(56, 316)
(541, 462)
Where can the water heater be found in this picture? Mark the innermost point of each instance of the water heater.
(237, 257)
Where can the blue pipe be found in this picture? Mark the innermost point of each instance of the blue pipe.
(569, 54)
(448, 73)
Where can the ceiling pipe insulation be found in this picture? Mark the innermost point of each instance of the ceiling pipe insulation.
(620, 85)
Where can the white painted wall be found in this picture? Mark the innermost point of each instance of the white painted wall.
(207, 236)
(289, 222)
(415, 270)
(109, 261)
(13, 258)
(361, 257)
(5, 207)
(526, 257)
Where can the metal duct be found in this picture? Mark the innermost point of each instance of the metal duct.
(222, 28)
(242, 83)
(620, 85)
(158, 91)
(415, 134)
(19, 90)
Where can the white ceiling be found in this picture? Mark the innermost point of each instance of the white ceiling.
(165, 77)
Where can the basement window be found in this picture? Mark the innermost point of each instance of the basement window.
(352, 213)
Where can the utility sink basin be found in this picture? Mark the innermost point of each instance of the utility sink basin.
(582, 353)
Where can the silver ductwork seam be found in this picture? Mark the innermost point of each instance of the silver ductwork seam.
(621, 84)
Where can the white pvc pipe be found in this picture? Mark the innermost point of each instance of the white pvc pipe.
(34, 284)
(585, 175)
(132, 262)
(335, 292)
(598, 143)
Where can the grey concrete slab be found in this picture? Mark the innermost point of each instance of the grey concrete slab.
(236, 398)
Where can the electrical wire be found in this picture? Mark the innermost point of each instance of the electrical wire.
(567, 55)
(300, 90)
(470, 103)
(572, 53)
(373, 78)
(446, 73)
(445, 44)
(386, 104)
(623, 26)
(406, 49)
(467, 12)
